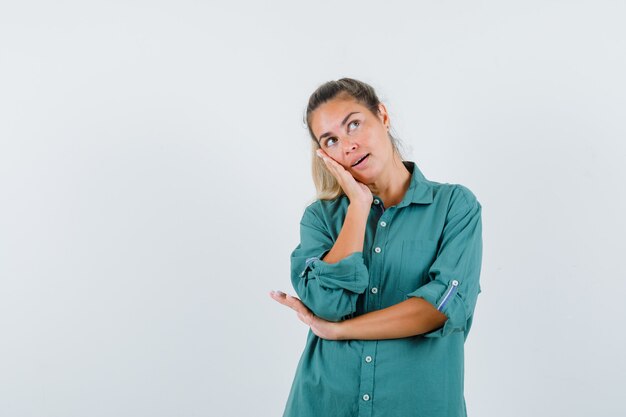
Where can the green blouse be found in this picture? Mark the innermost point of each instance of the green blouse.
(429, 246)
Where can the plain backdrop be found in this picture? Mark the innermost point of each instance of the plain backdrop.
(154, 167)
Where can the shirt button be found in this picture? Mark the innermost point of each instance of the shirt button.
(377, 249)
(383, 224)
(366, 397)
(376, 201)
(455, 282)
(368, 359)
(374, 290)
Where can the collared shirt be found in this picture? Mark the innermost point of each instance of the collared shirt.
(429, 246)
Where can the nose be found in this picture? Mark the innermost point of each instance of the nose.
(349, 144)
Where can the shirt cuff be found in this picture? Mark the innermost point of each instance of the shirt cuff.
(349, 273)
(446, 299)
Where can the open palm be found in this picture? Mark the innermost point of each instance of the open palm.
(322, 328)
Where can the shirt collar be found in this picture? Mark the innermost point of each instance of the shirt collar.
(420, 190)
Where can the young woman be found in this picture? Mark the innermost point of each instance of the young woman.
(386, 271)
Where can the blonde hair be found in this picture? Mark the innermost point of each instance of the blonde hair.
(325, 183)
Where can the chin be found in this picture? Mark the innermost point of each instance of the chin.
(365, 178)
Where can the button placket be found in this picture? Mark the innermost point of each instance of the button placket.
(376, 265)
(366, 386)
(379, 203)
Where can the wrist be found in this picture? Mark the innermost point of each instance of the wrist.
(359, 209)
(342, 330)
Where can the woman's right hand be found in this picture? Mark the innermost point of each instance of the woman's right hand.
(357, 192)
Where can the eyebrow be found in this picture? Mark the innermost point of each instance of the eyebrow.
(343, 122)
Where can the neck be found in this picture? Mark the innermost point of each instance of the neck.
(392, 183)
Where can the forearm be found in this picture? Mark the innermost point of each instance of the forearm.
(407, 318)
(351, 236)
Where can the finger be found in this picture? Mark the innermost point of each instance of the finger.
(320, 153)
(337, 170)
(289, 301)
(306, 319)
(297, 304)
(281, 297)
(332, 164)
(325, 157)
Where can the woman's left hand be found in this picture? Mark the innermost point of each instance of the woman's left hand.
(323, 328)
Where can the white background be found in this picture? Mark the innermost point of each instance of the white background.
(154, 167)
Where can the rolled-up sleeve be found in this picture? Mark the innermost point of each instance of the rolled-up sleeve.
(329, 290)
(454, 285)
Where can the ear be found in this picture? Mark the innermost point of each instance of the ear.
(383, 115)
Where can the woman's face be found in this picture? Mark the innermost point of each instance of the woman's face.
(346, 130)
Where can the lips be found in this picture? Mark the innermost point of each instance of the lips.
(359, 160)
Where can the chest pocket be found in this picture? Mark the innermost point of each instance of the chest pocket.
(417, 257)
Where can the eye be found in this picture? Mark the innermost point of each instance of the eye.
(326, 142)
(353, 122)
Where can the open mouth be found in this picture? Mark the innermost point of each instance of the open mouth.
(361, 160)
